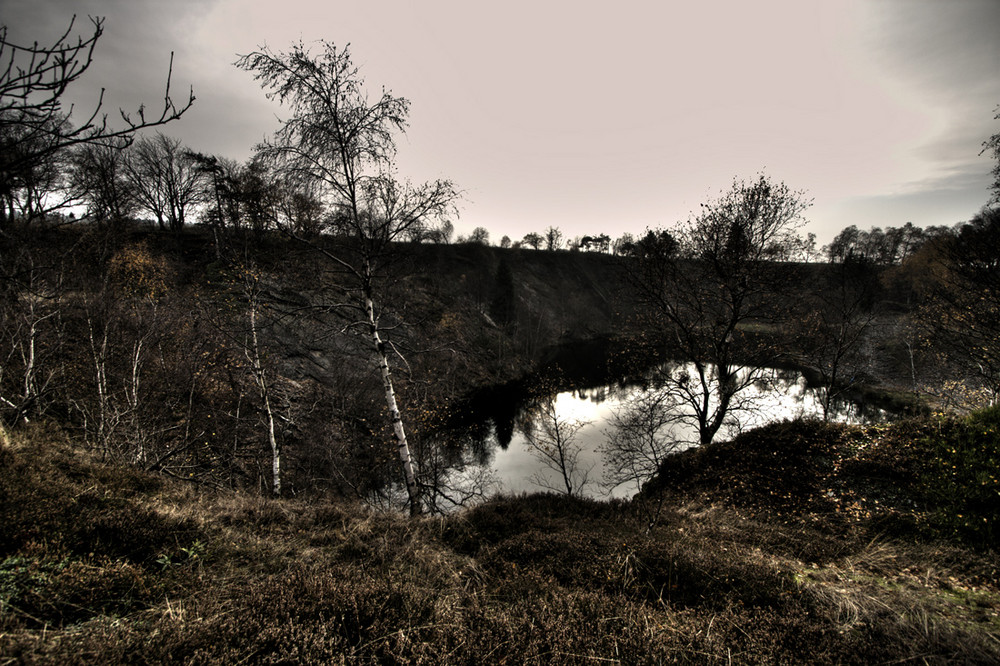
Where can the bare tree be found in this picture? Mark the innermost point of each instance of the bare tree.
(299, 205)
(253, 349)
(32, 190)
(344, 143)
(100, 179)
(706, 283)
(166, 178)
(126, 329)
(552, 440)
(31, 335)
(992, 145)
(553, 239)
(34, 127)
(842, 315)
(641, 437)
(219, 177)
(453, 475)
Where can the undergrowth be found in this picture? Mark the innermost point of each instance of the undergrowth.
(798, 543)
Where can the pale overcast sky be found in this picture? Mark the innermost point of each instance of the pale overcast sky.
(602, 117)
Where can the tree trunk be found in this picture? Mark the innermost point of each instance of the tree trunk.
(397, 420)
(265, 394)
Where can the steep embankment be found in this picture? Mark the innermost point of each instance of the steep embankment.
(501, 310)
(554, 296)
(463, 316)
(170, 350)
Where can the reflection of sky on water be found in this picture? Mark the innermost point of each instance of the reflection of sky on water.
(783, 395)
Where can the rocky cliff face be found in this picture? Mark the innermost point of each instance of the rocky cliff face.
(455, 309)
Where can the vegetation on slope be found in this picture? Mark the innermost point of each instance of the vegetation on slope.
(750, 559)
(935, 477)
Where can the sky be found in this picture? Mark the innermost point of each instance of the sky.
(600, 117)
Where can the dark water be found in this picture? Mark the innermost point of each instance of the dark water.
(497, 453)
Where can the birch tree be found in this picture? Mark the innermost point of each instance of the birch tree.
(343, 143)
(253, 351)
(31, 334)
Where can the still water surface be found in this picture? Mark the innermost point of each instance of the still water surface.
(514, 469)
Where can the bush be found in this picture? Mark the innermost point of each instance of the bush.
(961, 477)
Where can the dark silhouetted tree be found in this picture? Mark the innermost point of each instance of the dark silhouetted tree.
(480, 236)
(623, 245)
(532, 240)
(100, 179)
(992, 145)
(553, 239)
(166, 178)
(964, 314)
(35, 128)
(704, 285)
(877, 246)
(836, 323)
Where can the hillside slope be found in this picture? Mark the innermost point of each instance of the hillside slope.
(142, 342)
(104, 564)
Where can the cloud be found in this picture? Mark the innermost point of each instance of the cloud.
(598, 117)
(943, 58)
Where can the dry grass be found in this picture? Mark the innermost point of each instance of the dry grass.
(217, 577)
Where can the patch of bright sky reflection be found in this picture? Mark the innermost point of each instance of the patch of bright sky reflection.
(776, 400)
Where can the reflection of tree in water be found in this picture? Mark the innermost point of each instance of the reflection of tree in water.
(495, 421)
(491, 423)
(617, 390)
(456, 469)
(503, 423)
(596, 395)
(846, 409)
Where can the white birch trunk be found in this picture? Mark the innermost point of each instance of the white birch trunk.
(132, 398)
(394, 415)
(265, 394)
(99, 353)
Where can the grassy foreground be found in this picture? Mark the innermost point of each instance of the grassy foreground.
(796, 543)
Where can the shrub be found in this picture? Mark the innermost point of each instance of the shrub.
(961, 477)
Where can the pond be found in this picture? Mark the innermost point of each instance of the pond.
(507, 447)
